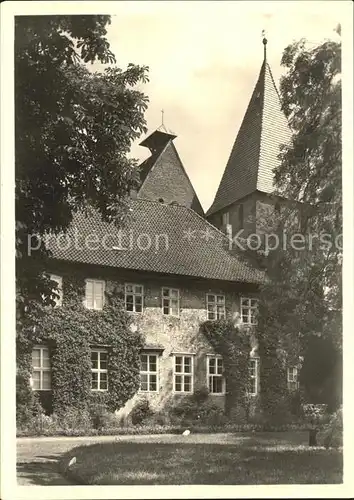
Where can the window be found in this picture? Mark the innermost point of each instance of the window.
(94, 296)
(240, 216)
(253, 376)
(215, 370)
(99, 370)
(249, 311)
(183, 374)
(170, 301)
(41, 372)
(149, 372)
(215, 306)
(134, 297)
(225, 219)
(292, 378)
(58, 298)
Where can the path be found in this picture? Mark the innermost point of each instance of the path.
(37, 458)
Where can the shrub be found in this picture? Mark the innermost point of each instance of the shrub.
(141, 412)
(196, 409)
(74, 418)
(331, 436)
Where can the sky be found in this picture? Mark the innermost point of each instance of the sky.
(204, 59)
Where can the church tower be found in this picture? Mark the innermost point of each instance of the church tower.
(247, 181)
(163, 176)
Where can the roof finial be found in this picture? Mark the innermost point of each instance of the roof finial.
(265, 41)
(162, 113)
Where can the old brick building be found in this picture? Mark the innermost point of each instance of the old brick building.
(172, 264)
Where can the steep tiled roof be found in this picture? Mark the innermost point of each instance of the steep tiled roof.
(255, 152)
(163, 174)
(157, 237)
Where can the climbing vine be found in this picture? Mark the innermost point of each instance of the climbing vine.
(234, 346)
(70, 331)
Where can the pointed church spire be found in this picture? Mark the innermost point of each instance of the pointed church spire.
(265, 41)
(255, 152)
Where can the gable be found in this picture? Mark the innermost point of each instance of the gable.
(164, 178)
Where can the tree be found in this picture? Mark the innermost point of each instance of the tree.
(73, 130)
(302, 299)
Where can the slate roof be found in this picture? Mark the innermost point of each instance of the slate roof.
(254, 154)
(194, 247)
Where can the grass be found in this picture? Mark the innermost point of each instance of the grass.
(262, 458)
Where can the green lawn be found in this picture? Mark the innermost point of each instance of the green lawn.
(262, 458)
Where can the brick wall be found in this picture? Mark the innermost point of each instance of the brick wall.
(168, 180)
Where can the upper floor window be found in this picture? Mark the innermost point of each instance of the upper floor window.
(253, 376)
(170, 301)
(215, 306)
(99, 369)
(41, 371)
(292, 378)
(149, 372)
(249, 311)
(134, 297)
(58, 298)
(94, 294)
(183, 373)
(225, 219)
(215, 373)
(240, 216)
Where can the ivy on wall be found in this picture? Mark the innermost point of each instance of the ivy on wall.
(70, 331)
(234, 347)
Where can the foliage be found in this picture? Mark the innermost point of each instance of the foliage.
(331, 436)
(141, 412)
(73, 130)
(302, 296)
(195, 409)
(70, 331)
(321, 370)
(234, 347)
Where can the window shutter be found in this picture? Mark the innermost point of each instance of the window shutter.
(98, 295)
(89, 294)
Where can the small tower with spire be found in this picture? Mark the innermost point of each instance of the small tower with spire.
(163, 176)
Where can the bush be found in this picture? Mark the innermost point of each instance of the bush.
(196, 409)
(74, 418)
(141, 412)
(331, 436)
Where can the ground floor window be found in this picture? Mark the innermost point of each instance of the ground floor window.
(183, 373)
(149, 372)
(253, 376)
(99, 369)
(292, 378)
(215, 370)
(41, 371)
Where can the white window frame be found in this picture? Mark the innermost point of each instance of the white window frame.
(249, 308)
(41, 368)
(291, 379)
(59, 280)
(255, 376)
(183, 374)
(170, 298)
(215, 304)
(99, 370)
(215, 375)
(148, 372)
(93, 281)
(226, 219)
(134, 294)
